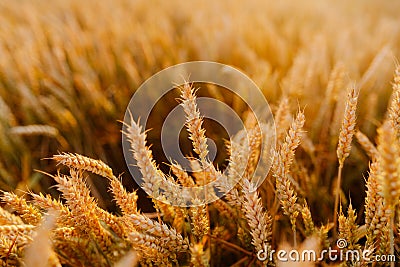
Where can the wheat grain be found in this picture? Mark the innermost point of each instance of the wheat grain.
(10, 253)
(255, 141)
(9, 218)
(150, 242)
(168, 236)
(287, 149)
(165, 210)
(229, 184)
(179, 219)
(12, 230)
(349, 229)
(75, 72)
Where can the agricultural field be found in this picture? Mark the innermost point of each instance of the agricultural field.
(329, 71)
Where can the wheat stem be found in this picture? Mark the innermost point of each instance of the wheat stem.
(240, 262)
(229, 244)
(337, 200)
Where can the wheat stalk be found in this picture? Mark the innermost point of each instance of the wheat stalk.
(389, 150)
(344, 146)
(281, 168)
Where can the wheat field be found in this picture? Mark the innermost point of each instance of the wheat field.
(331, 75)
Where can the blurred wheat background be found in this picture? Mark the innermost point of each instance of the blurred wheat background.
(69, 68)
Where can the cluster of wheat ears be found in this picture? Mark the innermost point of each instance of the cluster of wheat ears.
(85, 234)
(68, 69)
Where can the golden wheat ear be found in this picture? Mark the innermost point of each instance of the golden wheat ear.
(28, 213)
(376, 217)
(9, 218)
(348, 126)
(47, 203)
(389, 152)
(347, 131)
(199, 216)
(83, 163)
(125, 201)
(170, 238)
(348, 228)
(258, 219)
(183, 177)
(394, 106)
(283, 159)
(308, 221)
(153, 177)
(194, 122)
(282, 119)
